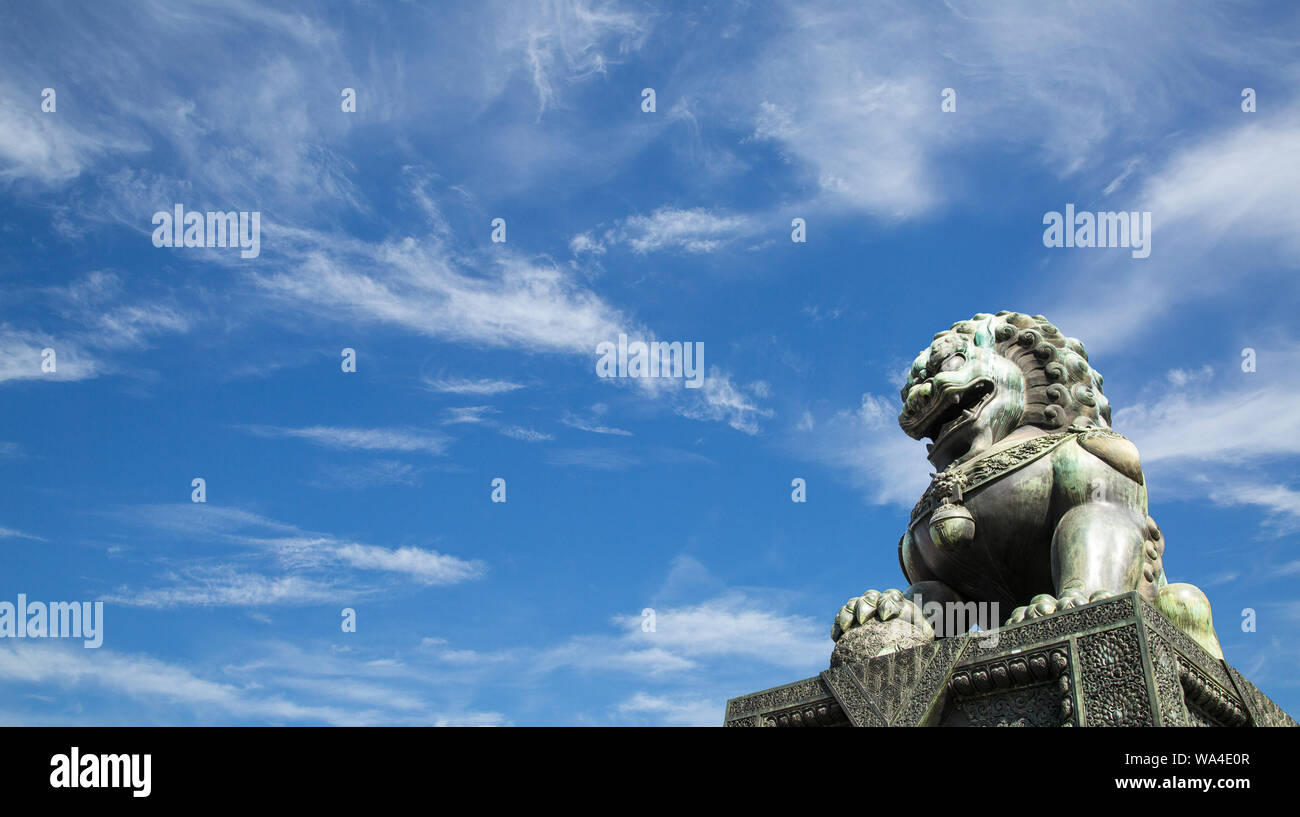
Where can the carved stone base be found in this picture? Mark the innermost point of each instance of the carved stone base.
(1116, 662)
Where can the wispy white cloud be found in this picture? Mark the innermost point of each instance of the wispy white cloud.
(419, 285)
(528, 435)
(293, 566)
(674, 711)
(724, 401)
(1221, 435)
(226, 586)
(1280, 504)
(367, 475)
(1219, 227)
(693, 230)
(868, 446)
(90, 322)
(686, 640)
(96, 304)
(851, 94)
(426, 286)
(1219, 419)
(10, 533)
(485, 386)
(753, 631)
(46, 148)
(365, 439)
(146, 679)
(585, 243)
(567, 42)
(145, 689)
(581, 425)
(22, 357)
(675, 638)
(425, 566)
(472, 415)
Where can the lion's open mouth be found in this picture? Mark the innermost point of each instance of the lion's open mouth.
(953, 409)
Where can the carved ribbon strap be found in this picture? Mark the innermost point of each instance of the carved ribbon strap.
(952, 484)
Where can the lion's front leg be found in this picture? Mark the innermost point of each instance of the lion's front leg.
(1097, 552)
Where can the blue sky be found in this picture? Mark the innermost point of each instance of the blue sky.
(476, 360)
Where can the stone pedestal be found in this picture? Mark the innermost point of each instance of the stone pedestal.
(1116, 662)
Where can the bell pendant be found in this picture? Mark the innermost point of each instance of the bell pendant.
(951, 526)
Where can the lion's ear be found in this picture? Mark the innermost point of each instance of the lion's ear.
(984, 334)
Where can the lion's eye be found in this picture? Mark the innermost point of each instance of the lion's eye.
(953, 363)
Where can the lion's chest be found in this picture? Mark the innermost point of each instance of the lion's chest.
(1010, 544)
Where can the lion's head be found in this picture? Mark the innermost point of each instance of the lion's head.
(986, 377)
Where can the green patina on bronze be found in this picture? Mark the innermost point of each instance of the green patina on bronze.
(1036, 504)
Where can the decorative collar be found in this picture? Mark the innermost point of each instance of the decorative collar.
(958, 480)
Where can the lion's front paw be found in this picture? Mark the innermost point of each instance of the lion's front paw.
(874, 605)
(877, 623)
(1044, 604)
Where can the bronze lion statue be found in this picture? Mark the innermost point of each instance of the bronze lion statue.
(1036, 504)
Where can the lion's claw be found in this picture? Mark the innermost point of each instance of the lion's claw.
(874, 605)
(1044, 604)
(862, 612)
